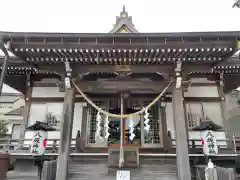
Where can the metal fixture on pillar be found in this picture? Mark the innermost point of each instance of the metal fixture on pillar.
(163, 102)
(5, 63)
(178, 77)
(68, 75)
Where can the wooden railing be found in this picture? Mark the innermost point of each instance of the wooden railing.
(18, 146)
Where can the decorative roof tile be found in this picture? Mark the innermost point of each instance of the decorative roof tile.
(40, 126)
(124, 23)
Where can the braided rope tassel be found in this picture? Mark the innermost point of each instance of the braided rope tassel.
(131, 130)
(146, 120)
(98, 125)
(106, 126)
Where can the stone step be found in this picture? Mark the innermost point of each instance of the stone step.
(148, 169)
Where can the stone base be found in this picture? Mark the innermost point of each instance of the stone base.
(131, 157)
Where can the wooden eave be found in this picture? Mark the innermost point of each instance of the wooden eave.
(16, 64)
(202, 53)
(68, 37)
(125, 51)
(114, 48)
(231, 65)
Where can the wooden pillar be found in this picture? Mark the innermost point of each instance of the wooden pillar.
(84, 123)
(165, 139)
(186, 120)
(183, 164)
(26, 110)
(65, 135)
(224, 110)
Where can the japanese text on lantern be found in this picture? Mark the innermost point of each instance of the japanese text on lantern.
(209, 143)
(38, 143)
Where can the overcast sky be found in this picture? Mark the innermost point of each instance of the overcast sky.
(100, 15)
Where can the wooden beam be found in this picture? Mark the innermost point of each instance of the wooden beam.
(78, 69)
(188, 68)
(125, 45)
(161, 68)
(118, 86)
(114, 95)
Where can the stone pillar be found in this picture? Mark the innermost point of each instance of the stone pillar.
(65, 135)
(183, 163)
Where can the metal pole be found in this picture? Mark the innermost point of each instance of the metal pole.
(4, 66)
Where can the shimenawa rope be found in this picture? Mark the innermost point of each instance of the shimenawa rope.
(123, 115)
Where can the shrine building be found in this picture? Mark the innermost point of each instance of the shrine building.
(140, 94)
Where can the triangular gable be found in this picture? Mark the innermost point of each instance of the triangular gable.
(123, 29)
(124, 24)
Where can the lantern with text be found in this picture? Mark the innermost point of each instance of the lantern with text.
(209, 143)
(208, 137)
(39, 143)
(39, 139)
